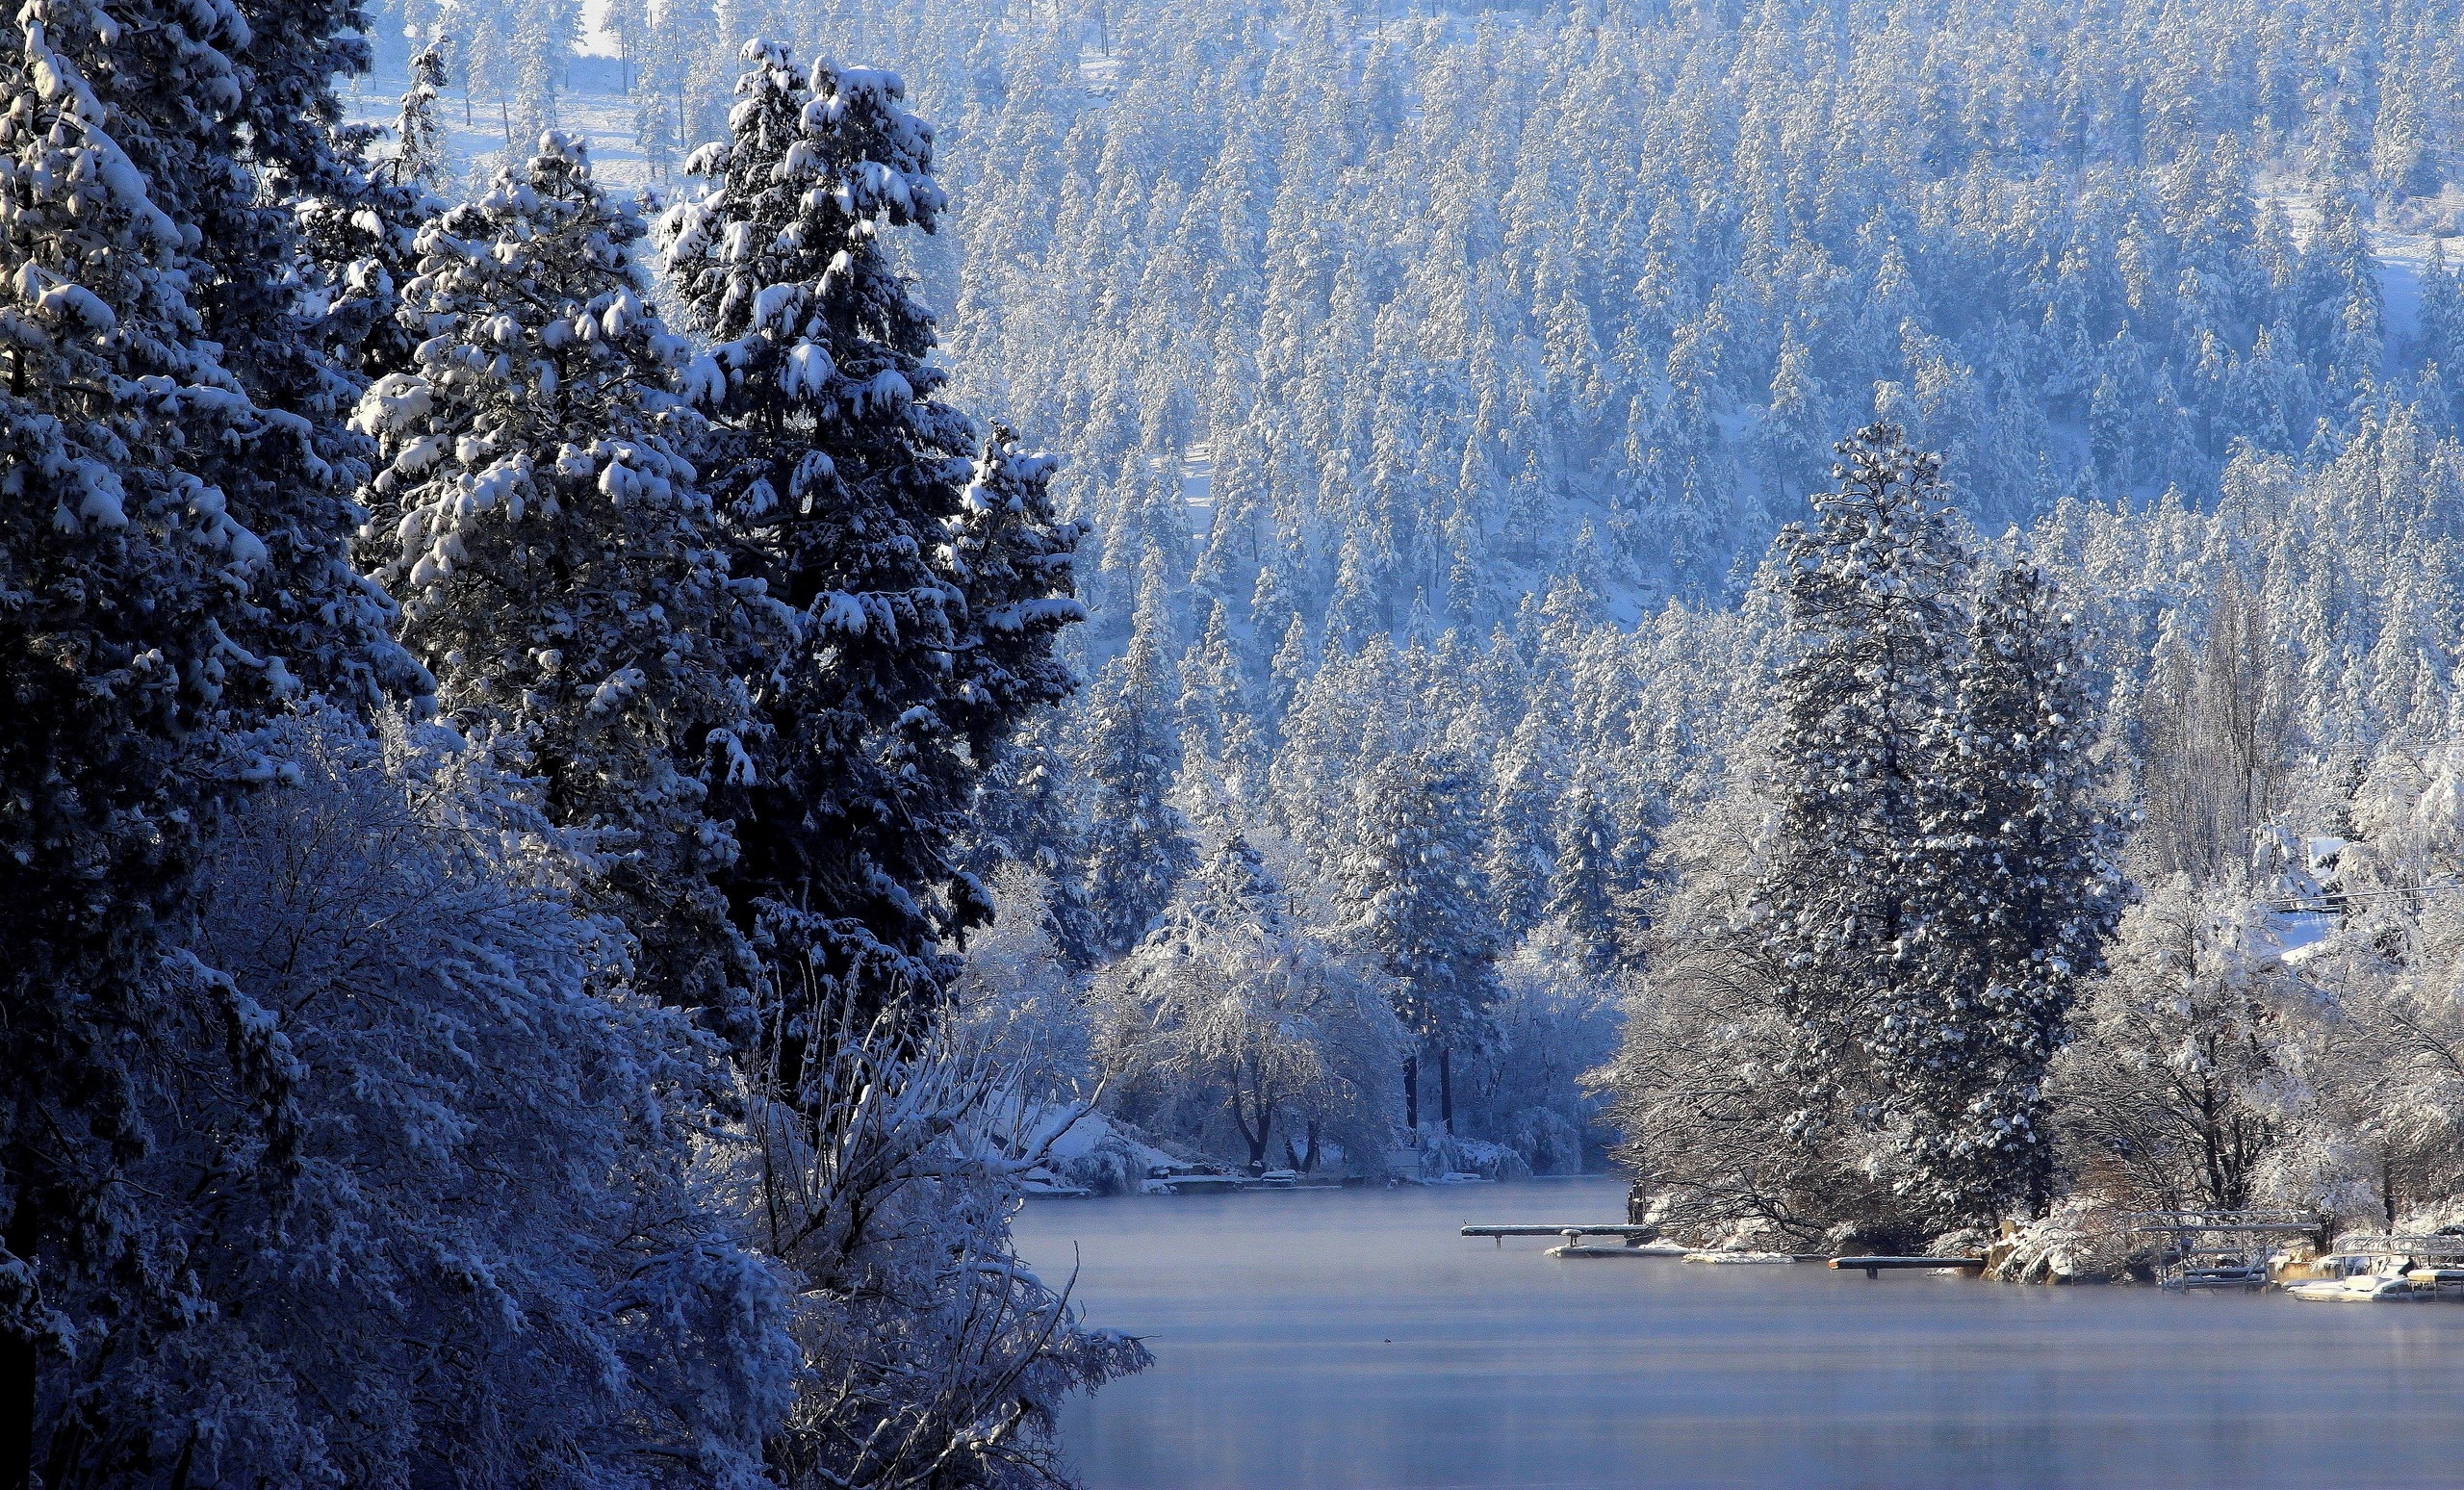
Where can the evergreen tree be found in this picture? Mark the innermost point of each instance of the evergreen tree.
(1636, 874)
(1873, 591)
(2020, 896)
(1138, 847)
(1212, 701)
(923, 576)
(1290, 670)
(1413, 896)
(360, 241)
(1014, 561)
(1522, 848)
(1029, 812)
(911, 659)
(2442, 337)
(557, 569)
(1595, 893)
(419, 149)
(1223, 758)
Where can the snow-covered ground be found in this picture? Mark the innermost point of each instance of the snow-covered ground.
(593, 106)
(2402, 237)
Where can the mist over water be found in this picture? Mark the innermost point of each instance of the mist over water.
(1342, 1340)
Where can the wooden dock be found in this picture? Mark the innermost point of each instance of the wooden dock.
(1873, 1266)
(1635, 1236)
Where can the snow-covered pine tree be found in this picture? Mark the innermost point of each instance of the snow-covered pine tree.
(557, 568)
(1600, 869)
(923, 576)
(420, 150)
(360, 243)
(1291, 668)
(1522, 851)
(1137, 845)
(1224, 753)
(1635, 870)
(2021, 894)
(847, 481)
(1028, 811)
(1874, 595)
(2441, 338)
(172, 567)
(1012, 560)
(1412, 895)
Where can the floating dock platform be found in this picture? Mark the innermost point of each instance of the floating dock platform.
(1874, 1266)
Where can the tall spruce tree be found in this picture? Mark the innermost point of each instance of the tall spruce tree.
(1138, 847)
(922, 576)
(1595, 891)
(558, 569)
(1224, 754)
(360, 238)
(2021, 894)
(1874, 591)
(913, 657)
(1521, 860)
(1413, 896)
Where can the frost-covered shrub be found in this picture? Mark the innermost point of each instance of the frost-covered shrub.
(2081, 1240)
(1238, 1027)
(2375, 1072)
(938, 1359)
(1553, 1023)
(1114, 1165)
(1440, 1154)
(492, 1263)
(2176, 1092)
(1016, 1000)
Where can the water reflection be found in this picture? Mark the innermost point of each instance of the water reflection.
(1347, 1340)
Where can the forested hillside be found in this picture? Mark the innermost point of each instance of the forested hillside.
(1434, 383)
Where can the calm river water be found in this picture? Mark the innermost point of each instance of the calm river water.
(1340, 1339)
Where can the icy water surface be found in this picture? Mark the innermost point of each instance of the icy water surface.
(1348, 1339)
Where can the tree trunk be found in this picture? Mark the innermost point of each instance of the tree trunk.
(1446, 1088)
(1412, 1093)
(17, 1368)
(1256, 1137)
